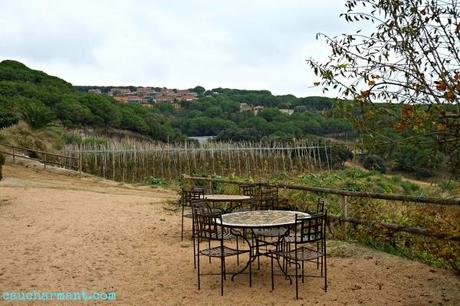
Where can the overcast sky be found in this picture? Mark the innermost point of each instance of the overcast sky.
(246, 44)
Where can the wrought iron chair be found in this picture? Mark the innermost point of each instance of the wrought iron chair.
(207, 228)
(310, 245)
(186, 197)
(248, 190)
(268, 200)
(320, 206)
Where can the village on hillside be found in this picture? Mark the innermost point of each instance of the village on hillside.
(146, 96)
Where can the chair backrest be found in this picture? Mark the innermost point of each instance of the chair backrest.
(310, 229)
(267, 199)
(320, 206)
(189, 195)
(205, 220)
(248, 189)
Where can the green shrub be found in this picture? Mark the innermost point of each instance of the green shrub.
(374, 162)
(448, 185)
(338, 155)
(7, 119)
(155, 181)
(423, 162)
(410, 188)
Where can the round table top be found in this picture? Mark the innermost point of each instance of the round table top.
(261, 218)
(226, 197)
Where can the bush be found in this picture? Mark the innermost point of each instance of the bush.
(374, 162)
(423, 162)
(7, 119)
(338, 155)
(411, 188)
(155, 181)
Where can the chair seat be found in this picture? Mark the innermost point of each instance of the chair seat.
(217, 252)
(303, 254)
(270, 232)
(219, 236)
(292, 239)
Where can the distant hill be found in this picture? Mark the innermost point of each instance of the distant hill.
(41, 99)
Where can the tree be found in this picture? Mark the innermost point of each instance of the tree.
(7, 119)
(412, 57)
(199, 90)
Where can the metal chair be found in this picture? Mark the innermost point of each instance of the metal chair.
(310, 245)
(186, 197)
(207, 229)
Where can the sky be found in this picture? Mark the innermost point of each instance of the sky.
(246, 44)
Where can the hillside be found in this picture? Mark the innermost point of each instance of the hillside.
(41, 99)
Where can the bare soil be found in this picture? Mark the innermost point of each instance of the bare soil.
(62, 232)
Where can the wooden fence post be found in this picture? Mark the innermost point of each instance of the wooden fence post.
(345, 213)
(79, 161)
(209, 179)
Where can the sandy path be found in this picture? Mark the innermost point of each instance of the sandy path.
(60, 232)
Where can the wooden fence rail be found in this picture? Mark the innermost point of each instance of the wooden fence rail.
(345, 194)
(21, 152)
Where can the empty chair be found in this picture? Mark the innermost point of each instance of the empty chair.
(207, 229)
(310, 245)
(186, 197)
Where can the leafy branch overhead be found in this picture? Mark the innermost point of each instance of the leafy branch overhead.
(406, 52)
(411, 57)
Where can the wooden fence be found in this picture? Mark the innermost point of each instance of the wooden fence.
(134, 162)
(345, 206)
(46, 158)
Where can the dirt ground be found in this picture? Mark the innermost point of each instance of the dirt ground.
(62, 232)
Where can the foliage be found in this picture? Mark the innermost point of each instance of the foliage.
(7, 119)
(448, 185)
(374, 162)
(36, 114)
(410, 56)
(42, 99)
(436, 252)
(422, 162)
(155, 181)
(338, 155)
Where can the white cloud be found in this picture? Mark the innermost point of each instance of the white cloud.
(237, 44)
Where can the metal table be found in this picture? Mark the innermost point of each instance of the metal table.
(239, 222)
(227, 202)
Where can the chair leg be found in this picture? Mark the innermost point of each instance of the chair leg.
(250, 268)
(317, 259)
(325, 267)
(194, 252)
(194, 244)
(209, 246)
(198, 262)
(237, 254)
(321, 259)
(273, 278)
(296, 281)
(303, 274)
(222, 269)
(182, 225)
